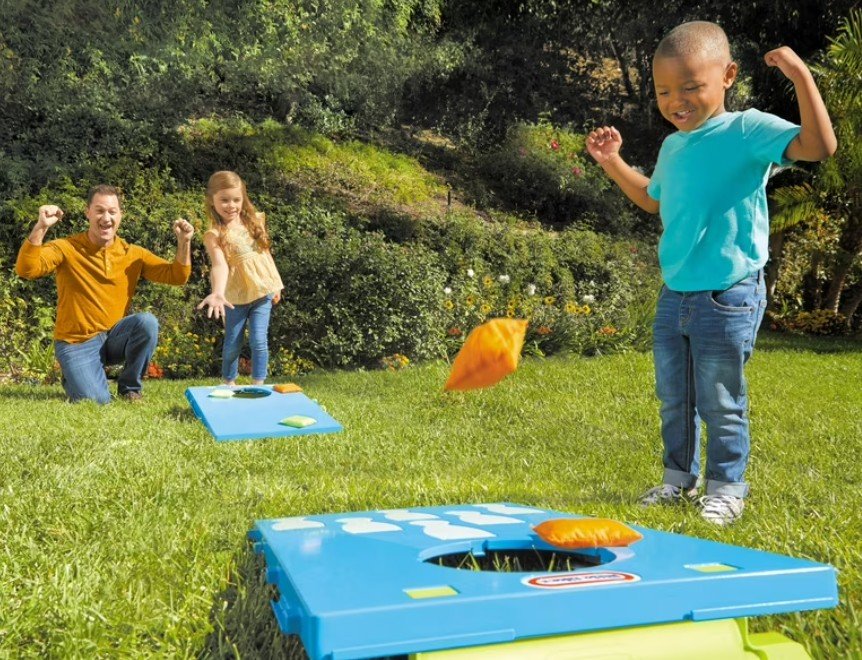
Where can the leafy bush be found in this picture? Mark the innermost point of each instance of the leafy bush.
(580, 291)
(351, 297)
(546, 171)
(284, 363)
(818, 322)
(182, 353)
(354, 297)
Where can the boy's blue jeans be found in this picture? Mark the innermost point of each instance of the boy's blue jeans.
(702, 340)
(130, 342)
(257, 315)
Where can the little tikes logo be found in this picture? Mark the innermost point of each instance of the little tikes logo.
(577, 580)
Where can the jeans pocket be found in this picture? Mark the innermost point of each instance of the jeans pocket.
(738, 298)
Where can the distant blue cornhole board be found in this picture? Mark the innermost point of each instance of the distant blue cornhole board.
(256, 412)
(360, 585)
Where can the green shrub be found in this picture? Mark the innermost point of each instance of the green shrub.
(352, 298)
(818, 322)
(581, 291)
(284, 363)
(546, 171)
(182, 353)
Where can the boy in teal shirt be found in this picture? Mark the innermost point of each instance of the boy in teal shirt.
(709, 186)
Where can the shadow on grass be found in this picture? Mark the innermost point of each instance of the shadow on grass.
(181, 414)
(244, 625)
(32, 393)
(782, 341)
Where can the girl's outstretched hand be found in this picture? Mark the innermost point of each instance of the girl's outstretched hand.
(276, 298)
(215, 304)
(604, 143)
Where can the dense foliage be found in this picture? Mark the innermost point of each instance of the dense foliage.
(825, 255)
(325, 108)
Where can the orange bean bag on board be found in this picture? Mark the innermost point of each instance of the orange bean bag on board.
(586, 533)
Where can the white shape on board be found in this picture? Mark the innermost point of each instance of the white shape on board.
(288, 524)
(366, 526)
(405, 515)
(442, 529)
(506, 508)
(479, 518)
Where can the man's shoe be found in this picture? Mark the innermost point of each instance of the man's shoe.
(132, 397)
(721, 509)
(667, 494)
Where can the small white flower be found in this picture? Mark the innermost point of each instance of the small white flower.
(531, 289)
(589, 298)
(503, 279)
(447, 290)
(470, 272)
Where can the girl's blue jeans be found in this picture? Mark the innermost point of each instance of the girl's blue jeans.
(131, 342)
(702, 340)
(256, 314)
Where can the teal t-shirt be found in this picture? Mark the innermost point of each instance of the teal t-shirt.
(711, 187)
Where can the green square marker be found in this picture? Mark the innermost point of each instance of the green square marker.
(431, 592)
(298, 421)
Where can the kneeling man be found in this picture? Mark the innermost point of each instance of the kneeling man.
(97, 273)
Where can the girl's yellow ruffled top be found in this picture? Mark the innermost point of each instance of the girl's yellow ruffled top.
(252, 273)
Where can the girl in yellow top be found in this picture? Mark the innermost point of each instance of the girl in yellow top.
(245, 281)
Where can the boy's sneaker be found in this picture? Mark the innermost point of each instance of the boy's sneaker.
(667, 494)
(721, 509)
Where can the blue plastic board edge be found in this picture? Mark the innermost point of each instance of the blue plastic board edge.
(331, 585)
(326, 423)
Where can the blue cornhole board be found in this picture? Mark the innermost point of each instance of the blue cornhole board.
(356, 585)
(239, 418)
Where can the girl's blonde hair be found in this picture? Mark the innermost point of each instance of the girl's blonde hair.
(254, 222)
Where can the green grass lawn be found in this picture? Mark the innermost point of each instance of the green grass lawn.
(124, 527)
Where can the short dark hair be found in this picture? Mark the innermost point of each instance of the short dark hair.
(104, 189)
(695, 38)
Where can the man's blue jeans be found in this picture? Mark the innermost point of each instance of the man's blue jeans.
(702, 340)
(131, 342)
(256, 314)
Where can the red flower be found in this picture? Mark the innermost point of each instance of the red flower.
(155, 371)
(543, 330)
(555, 145)
(577, 171)
(454, 332)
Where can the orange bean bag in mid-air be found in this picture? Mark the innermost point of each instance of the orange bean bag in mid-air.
(489, 354)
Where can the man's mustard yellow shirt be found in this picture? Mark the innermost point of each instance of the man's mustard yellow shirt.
(95, 285)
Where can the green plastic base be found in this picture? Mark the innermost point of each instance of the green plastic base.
(726, 639)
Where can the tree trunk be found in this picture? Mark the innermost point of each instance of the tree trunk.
(644, 77)
(842, 266)
(776, 251)
(849, 250)
(624, 69)
(812, 294)
(851, 305)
